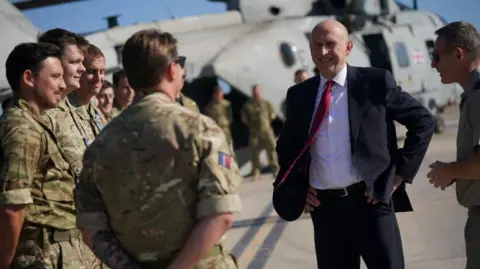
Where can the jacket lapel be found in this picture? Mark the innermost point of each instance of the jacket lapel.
(356, 98)
(311, 95)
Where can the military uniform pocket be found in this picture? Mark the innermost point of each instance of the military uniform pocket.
(58, 183)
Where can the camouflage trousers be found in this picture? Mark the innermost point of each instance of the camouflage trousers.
(258, 142)
(73, 254)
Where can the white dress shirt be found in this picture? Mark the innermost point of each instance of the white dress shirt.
(331, 159)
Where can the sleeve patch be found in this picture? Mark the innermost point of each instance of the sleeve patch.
(224, 160)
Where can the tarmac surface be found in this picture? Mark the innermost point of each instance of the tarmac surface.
(432, 235)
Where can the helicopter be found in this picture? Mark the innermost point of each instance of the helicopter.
(265, 41)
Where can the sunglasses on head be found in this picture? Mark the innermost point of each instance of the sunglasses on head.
(181, 61)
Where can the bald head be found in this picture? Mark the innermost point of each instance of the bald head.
(330, 47)
(333, 26)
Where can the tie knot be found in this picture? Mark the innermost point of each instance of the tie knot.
(330, 83)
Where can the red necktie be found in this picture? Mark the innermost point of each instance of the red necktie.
(322, 110)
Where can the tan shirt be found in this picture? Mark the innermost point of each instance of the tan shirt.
(155, 172)
(468, 191)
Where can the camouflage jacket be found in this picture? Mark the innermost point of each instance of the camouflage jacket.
(116, 110)
(92, 119)
(188, 102)
(34, 171)
(258, 115)
(73, 135)
(221, 112)
(176, 168)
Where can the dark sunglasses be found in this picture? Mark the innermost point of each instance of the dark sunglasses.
(181, 61)
(435, 57)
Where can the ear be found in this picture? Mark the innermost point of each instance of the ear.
(459, 53)
(349, 47)
(28, 78)
(171, 72)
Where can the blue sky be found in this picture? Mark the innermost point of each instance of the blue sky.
(88, 16)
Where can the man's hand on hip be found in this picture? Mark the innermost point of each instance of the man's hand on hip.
(370, 199)
(312, 200)
(396, 183)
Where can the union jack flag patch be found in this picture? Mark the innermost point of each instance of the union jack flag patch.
(224, 159)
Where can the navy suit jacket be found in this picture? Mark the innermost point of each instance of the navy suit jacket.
(374, 103)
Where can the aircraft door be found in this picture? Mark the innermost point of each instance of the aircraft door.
(378, 51)
(404, 59)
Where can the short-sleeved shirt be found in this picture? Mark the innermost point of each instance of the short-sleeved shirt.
(468, 136)
(33, 171)
(156, 170)
(258, 113)
(73, 136)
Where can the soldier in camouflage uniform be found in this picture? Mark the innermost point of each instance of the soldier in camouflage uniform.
(176, 175)
(105, 100)
(65, 122)
(187, 102)
(220, 110)
(124, 93)
(257, 114)
(91, 119)
(72, 133)
(36, 182)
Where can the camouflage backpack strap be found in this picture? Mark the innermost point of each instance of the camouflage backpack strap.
(97, 118)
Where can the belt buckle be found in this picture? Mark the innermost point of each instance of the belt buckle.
(345, 192)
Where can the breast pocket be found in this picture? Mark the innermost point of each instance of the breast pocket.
(58, 183)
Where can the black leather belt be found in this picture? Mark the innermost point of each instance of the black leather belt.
(352, 189)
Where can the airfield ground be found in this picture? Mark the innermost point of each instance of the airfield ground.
(432, 235)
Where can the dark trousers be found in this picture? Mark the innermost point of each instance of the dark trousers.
(347, 228)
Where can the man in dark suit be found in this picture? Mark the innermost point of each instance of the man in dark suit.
(350, 165)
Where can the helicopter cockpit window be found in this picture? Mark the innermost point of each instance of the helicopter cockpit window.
(309, 36)
(402, 54)
(118, 51)
(430, 46)
(287, 53)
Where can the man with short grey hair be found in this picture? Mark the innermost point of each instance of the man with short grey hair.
(456, 57)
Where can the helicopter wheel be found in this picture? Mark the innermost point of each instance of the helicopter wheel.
(440, 126)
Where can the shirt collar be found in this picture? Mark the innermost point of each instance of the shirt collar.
(25, 105)
(474, 80)
(340, 78)
(159, 96)
(74, 99)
